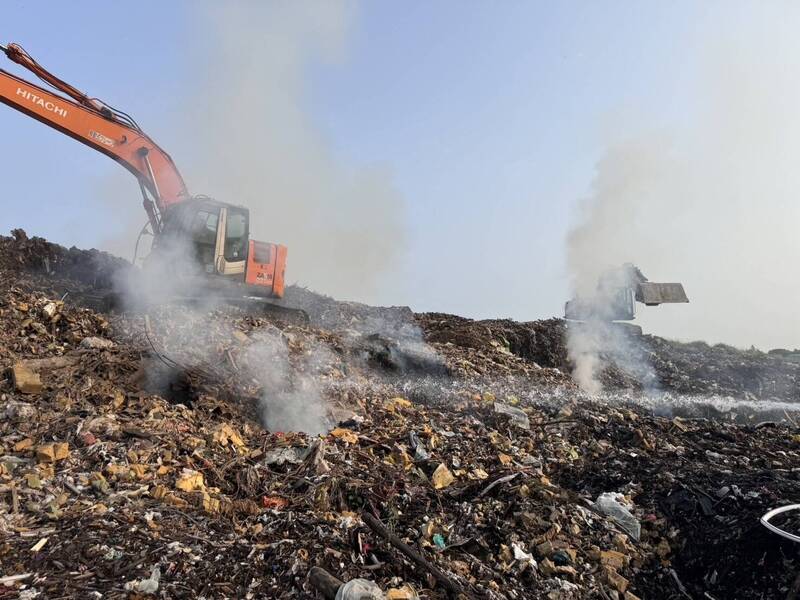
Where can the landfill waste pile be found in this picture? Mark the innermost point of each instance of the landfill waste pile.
(686, 368)
(206, 452)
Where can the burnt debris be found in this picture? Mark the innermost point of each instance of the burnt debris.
(458, 459)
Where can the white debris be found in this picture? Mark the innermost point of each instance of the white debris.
(145, 586)
(96, 343)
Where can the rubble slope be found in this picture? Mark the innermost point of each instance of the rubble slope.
(139, 455)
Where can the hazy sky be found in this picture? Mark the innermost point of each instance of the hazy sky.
(487, 122)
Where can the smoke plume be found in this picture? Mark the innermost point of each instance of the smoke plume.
(711, 203)
(188, 325)
(292, 399)
(254, 142)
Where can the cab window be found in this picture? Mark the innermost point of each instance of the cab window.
(236, 235)
(263, 253)
(203, 234)
(204, 227)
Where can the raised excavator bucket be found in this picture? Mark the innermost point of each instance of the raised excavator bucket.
(653, 294)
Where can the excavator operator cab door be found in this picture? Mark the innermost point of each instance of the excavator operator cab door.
(232, 238)
(202, 237)
(215, 235)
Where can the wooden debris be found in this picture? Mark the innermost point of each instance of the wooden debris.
(25, 380)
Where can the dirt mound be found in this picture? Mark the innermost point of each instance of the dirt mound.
(36, 255)
(698, 368)
(684, 368)
(328, 313)
(541, 342)
(705, 485)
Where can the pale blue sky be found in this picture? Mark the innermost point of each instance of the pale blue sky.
(489, 117)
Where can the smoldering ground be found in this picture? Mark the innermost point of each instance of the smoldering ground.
(194, 332)
(709, 201)
(253, 143)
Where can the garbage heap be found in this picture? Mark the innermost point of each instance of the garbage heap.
(136, 460)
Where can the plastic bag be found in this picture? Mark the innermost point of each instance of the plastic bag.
(360, 589)
(609, 504)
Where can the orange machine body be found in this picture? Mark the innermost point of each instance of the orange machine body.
(125, 145)
(266, 266)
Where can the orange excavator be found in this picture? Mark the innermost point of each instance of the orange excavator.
(215, 234)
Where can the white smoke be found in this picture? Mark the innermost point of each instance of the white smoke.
(712, 203)
(584, 348)
(291, 398)
(253, 141)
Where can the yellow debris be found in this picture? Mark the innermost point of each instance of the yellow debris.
(22, 445)
(479, 473)
(402, 593)
(402, 458)
(160, 492)
(613, 559)
(62, 450)
(46, 471)
(225, 433)
(117, 471)
(442, 477)
(118, 400)
(49, 453)
(617, 580)
(139, 471)
(210, 504)
(190, 481)
(397, 403)
(346, 435)
(25, 380)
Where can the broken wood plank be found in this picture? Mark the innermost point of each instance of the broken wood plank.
(25, 380)
(415, 557)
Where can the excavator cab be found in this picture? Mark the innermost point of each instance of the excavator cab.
(215, 237)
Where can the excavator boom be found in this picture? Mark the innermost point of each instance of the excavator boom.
(98, 126)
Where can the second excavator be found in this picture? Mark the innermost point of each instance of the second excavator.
(214, 236)
(617, 292)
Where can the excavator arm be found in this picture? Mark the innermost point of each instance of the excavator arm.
(99, 126)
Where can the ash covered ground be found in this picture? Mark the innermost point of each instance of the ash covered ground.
(158, 453)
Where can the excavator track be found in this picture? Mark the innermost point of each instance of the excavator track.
(257, 307)
(264, 307)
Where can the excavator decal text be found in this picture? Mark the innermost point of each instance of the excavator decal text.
(45, 104)
(103, 139)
